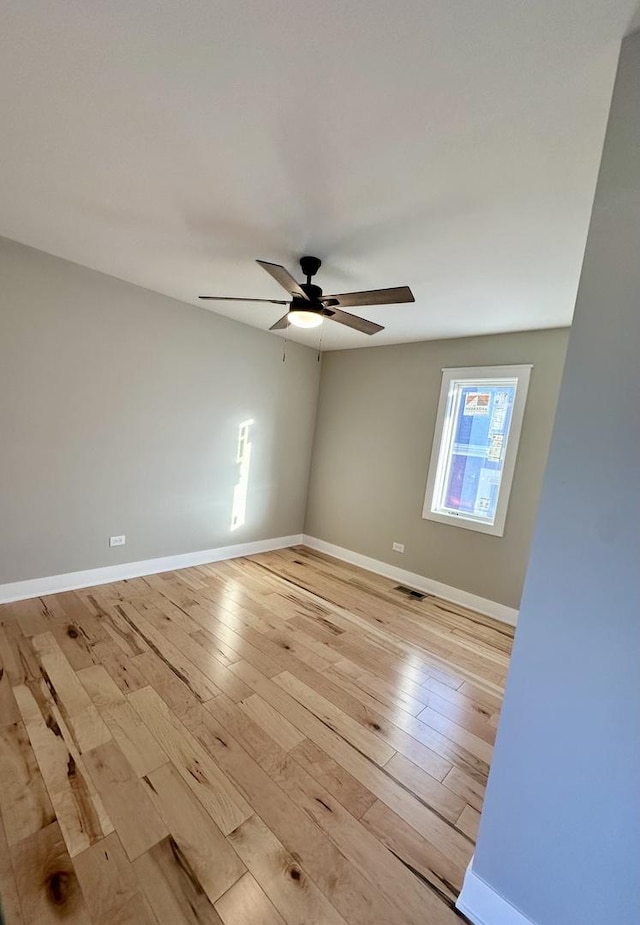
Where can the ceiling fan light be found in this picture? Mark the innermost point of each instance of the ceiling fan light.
(305, 319)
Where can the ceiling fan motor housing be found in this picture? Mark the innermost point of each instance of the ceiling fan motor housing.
(314, 304)
(310, 266)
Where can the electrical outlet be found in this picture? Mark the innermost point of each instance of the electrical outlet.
(398, 547)
(117, 540)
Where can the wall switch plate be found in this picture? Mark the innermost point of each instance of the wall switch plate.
(398, 547)
(117, 540)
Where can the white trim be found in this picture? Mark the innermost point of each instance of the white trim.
(419, 582)
(484, 906)
(54, 584)
(35, 587)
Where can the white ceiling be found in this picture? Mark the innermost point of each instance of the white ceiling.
(445, 144)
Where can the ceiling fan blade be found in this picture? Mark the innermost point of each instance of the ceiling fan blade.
(352, 321)
(280, 323)
(374, 297)
(230, 298)
(282, 276)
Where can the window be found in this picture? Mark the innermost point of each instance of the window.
(475, 446)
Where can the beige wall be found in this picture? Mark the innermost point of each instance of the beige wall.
(375, 424)
(119, 413)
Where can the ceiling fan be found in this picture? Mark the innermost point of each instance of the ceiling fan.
(308, 307)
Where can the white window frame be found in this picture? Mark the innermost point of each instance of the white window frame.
(441, 450)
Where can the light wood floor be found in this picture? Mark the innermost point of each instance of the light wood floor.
(281, 739)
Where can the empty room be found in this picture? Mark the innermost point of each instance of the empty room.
(319, 430)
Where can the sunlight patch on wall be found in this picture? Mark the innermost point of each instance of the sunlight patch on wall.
(243, 458)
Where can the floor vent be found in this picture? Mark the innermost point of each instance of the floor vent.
(416, 595)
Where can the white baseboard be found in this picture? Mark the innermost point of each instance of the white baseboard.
(54, 584)
(484, 906)
(419, 582)
(35, 587)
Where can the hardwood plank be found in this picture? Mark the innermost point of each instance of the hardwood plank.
(9, 712)
(472, 716)
(65, 607)
(9, 900)
(127, 589)
(485, 697)
(447, 727)
(427, 788)
(363, 598)
(346, 887)
(456, 698)
(287, 698)
(380, 675)
(94, 623)
(79, 714)
(80, 812)
(373, 691)
(393, 731)
(469, 822)
(161, 612)
(75, 645)
(198, 681)
(313, 645)
(362, 603)
(357, 735)
(415, 851)
(230, 647)
(214, 669)
(120, 630)
(172, 589)
(470, 789)
(333, 777)
(172, 888)
(247, 904)
(210, 785)
(361, 650)
(205, 848)
(374, 778)
(413, 901)
(111, 890)
(18, 656)
(248, 734)
(28, 615)
(169, 681)
(291, 891)
(120, 666)
(419, 741)
(241, 637)
(214, 645)
(293, 642)
(275, 725)
(24, 801)
(46, 881)
(137, 744)
(132, 813)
